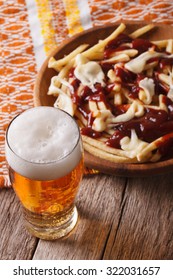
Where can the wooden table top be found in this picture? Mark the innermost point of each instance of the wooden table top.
(120, 218)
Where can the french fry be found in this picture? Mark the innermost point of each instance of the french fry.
(128, 52)
(153, 146)
(117, 58)
(63, 73)
(160, 43)
(107, 156)
(101, 146)
(169, 47)
(93, 106)
(164, 78)
(141, 31)
(58, 64)
(91, 52)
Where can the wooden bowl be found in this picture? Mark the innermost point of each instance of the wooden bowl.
(91, 37)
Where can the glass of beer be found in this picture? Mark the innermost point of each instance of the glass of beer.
(45, 158)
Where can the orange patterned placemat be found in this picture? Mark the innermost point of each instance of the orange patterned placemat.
(29, 29)
(17, 69)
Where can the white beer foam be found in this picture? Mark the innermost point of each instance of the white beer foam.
(43, 143)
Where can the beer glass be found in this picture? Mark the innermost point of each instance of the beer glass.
(45, 158)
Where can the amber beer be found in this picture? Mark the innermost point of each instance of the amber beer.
(45, 157)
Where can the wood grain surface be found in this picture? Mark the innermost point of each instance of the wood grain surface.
(15, 242)
(119, 219)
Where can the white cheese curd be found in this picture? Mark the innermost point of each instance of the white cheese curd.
(135, 110)
(147, 84)
(88, 72)
(138, 64)
(65, 103)
(133, 145)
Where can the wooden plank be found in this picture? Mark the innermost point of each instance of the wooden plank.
(99, 204)
(146, 226)
(15, 243)
(116, 222)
